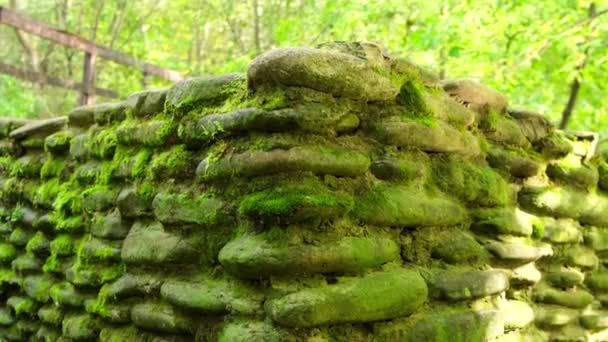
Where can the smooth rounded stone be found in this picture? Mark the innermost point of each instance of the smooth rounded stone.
(58, 143)
(26, 262)
(6, 317)
(154, 133)
(463, 285)
(561, 230)
(184, 209)
(597, 281)
(526, 274)
(147, 102)
(407, 207)
(92, 275)
(79, 148)
(131, 333)
(588, 208)
(597, 238)
(246, 330)
(37, 286)
(80, 327)
(295, 203)
(440, 326)
(21, 305)
(114, 313)
(532, 124)
(110, 226)
(503, 130)
(594, 320)
(22, 330)
(7, 124)
(518, 249)
(512, 162)
(322, 160)
(446, 108)
(516, 314)
(553, 146)
(477, 185)
(149, 243)
(187, 94)
(565, 278)
(19, 237)
(91, 248)
(436, 137)
(377, 296)
(99, 198)
(102, 114)
(65, 293)
(508, 220)
(554, 316)
(47, 333)
(572, 171)
(215, 296)
(131, 203)
(328, 71)
(395, 169)
(7, 253)
(581, 257)
(256, 256)
(39, 128)
(159, 316)
(51, 314)
(475, 96)
(133, 285)
(38, 244)
(576, 298)
(306, 118)
(460, 247)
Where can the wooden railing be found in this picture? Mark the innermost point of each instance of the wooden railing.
(91, 52)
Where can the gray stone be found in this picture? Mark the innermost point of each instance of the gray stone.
(534, 126)
(158, 316)
(458, 285)
(184, 209)
(256, 256)
(328, 71)
(80, 327)
(133, 285)
(577, 298)
(151, 244)
(110, 226)
(65, 293)
(515, 164)
(459, 247)
(39, 128)
(132, 203)
(147, 102)
(378, 296)
(518, 249)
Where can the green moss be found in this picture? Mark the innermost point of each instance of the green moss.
(176, 162)
(27, 166)
(67, 224)
(63, 244)
(69, 199)
(37, 243)
(58, 142)
(411, 98)
(295, 202)
(21, 304)
(103, 143)
(52, 265)
(7, 252)
(52, 167)
(140, 163)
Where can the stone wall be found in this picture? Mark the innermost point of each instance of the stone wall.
(331, 194)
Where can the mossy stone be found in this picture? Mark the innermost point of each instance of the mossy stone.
(159, 316)
(147, 102)
(295, 203)
(570, 170)
(597, 281)
(433, 136)
(110, 226)
(317, 159)
(154, 133)
(191, 93)
(475, 184)
(597, 238)
(47, 333)
(581, 257)
(456, 325)
(518, 249)
(151, 244)
(7, 253)
(577, 299)
(64, 293)
(565, 278)
(553, 145)
(377, 296)
(79, 148)
(80, 327)
(21, 305)
(6, 317)
(332, 72)
(514, 163)
(58, 143)
(460, 247)
(133, 203)
(396, 169)
(463, 285)
(92, 248)
(562, 230)
(184, 209)
(38, 286)
(245, 330)
(133, 285)
(258, 256)
(503, 130)
(508, 220)
(177, 162)
(214, 296)
(93, 274)
(533, 125)
(26, 262)
(407, 207)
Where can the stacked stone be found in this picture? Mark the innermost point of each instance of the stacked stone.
(331, 194)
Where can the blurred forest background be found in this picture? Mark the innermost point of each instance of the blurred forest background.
(532, 51)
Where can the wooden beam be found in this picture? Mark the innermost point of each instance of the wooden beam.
(39, 78)
(68, 39)
(87, 95)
